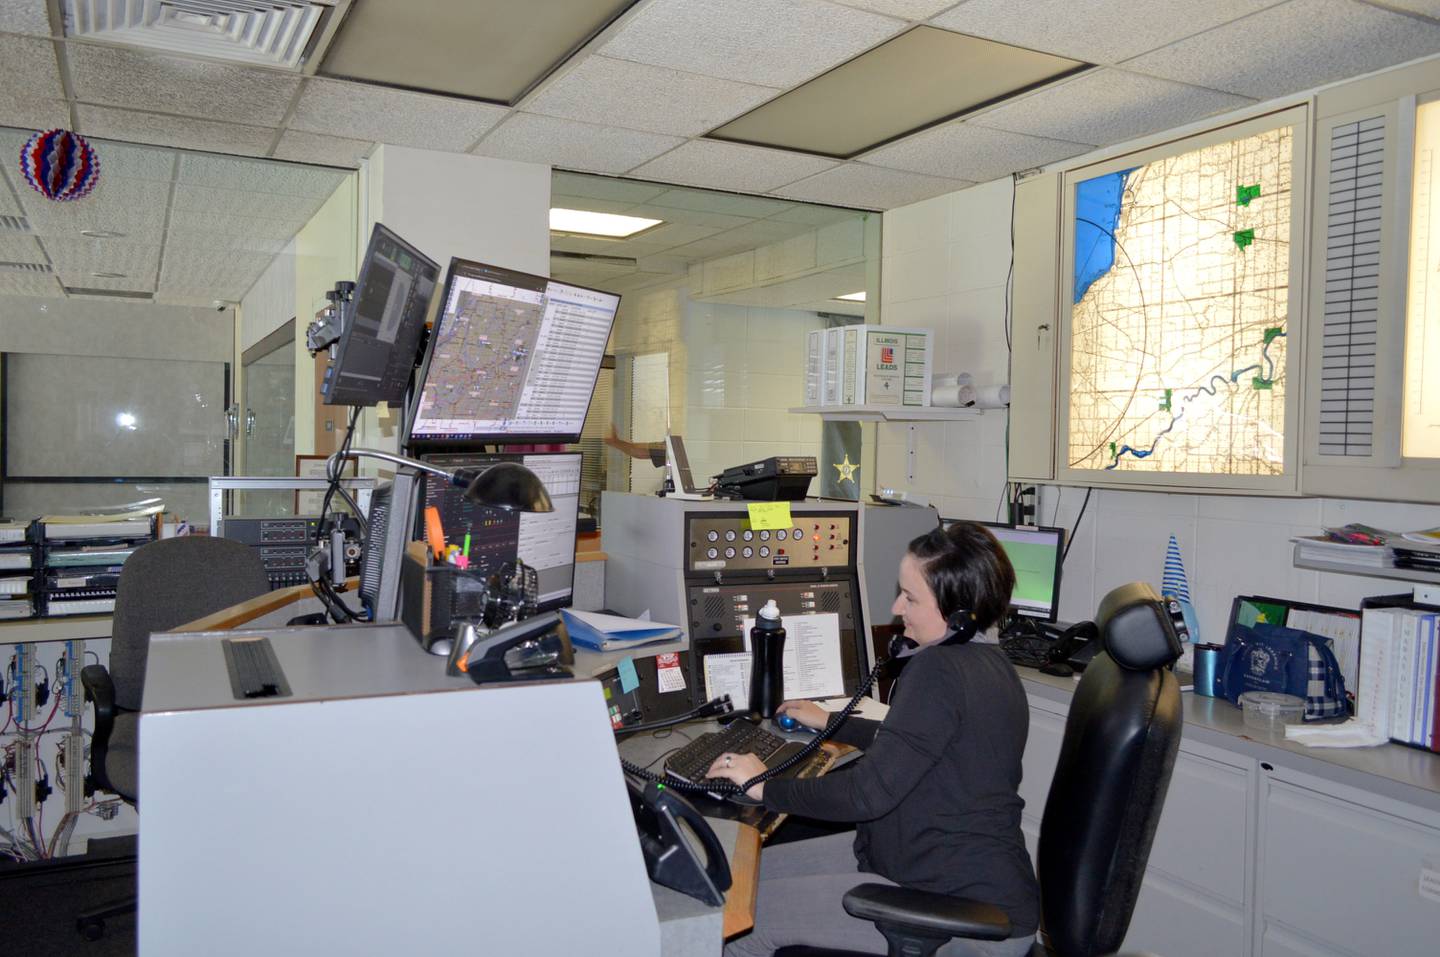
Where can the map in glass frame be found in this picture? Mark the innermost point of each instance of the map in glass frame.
(1179, 323)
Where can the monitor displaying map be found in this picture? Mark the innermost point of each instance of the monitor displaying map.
(513, 358)
(1180, 312)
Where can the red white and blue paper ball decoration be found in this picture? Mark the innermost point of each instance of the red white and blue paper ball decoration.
(60, 165)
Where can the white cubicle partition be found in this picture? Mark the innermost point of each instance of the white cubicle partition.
(403, 819)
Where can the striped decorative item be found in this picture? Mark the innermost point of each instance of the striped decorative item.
(1173, 583)
(60, 165)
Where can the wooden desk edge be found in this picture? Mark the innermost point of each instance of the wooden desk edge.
(739, 915)
(248, 611)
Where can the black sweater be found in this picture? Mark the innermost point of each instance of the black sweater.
(935, 798)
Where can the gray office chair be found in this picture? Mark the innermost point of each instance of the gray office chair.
(1105, 800)
(162, 585)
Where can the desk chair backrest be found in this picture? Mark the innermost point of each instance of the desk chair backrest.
(170, 582)
(1109, 786)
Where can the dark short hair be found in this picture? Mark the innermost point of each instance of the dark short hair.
(966, 568)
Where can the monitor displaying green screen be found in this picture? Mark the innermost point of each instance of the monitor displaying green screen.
(1036, 555)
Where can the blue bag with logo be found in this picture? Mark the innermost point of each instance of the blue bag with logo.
(1285, 660)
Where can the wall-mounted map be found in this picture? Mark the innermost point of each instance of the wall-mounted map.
(1180, 316)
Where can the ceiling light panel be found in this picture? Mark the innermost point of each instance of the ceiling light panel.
(918, 79)
(257, 32)
(485, 49)
(752, 41)
(591, 223)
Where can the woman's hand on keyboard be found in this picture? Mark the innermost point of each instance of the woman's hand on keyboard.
(808, 713)
(739, 768)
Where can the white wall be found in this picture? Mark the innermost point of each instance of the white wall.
(270, 303)
(944, 267)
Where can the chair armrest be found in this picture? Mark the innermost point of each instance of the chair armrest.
(926, 912)
(100, 689)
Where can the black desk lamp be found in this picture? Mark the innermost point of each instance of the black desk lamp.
(504, 485)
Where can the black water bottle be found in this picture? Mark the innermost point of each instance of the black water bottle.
(767, 662)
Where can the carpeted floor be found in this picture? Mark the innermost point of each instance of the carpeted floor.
(40, 902)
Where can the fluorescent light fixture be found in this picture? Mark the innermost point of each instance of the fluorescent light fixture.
(852, 297)
(588, 223)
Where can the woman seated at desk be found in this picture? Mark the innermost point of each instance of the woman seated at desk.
(935, 799)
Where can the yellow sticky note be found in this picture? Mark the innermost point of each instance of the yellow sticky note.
(769, 515)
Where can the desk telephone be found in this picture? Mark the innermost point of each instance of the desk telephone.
(662, 818)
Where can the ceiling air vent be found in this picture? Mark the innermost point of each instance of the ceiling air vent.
(14, 224)
(108, 293)
(37, 268)
(273, 33)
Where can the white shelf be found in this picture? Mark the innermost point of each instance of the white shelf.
(888, 413)
(1370, 571)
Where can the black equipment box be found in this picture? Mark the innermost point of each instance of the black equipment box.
(776, 479)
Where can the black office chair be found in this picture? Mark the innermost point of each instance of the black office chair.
(1104, 803)
(162, 585)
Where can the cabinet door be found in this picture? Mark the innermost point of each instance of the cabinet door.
(1345, 872)
(1197, 882)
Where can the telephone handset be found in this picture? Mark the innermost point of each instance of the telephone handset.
(662, 818)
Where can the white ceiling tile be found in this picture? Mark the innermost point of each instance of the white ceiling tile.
(27, 68)
(243, 228)
(762, 232)
(8, 205)
(970, 152)
(752, 41)
(363, 111)
(177, 131)
(638, 96)
(16, 248)
(603, 187)
(696, 217)
(258, 176)
(677, 234)
(29, 284)
(78, 257)
(590, 203)
(750, 169)
(904, 9)
(710, 248)
(83, 280)
(869, 187)
(238, 202)
(133, 223)
(1292, 47)
(24, 16)
(145, 81)
(1429, 8)
(31, 112)
(227, 238)
(135, 162)
(728, 203)
(547, 139)
(1096, 31)
(1108, 106)
(316, 148)
(122, 192)
(816, 215)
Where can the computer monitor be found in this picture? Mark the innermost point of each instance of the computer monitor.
(513, 359)
(1036, 553)
(380, 335)
(545, 541)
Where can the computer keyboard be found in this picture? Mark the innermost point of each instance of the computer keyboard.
(254, 671)
(740, 737)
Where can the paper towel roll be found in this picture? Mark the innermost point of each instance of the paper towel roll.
(951, 378)
(952, 396)
(992, 397)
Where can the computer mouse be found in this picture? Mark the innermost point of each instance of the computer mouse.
(1057, 668)
(786, 723)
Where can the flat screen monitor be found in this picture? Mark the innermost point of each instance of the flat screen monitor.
(380, 340)
(1036, 553)
(545, 541)
(513, 359)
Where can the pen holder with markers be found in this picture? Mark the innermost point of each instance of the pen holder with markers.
(437, 595)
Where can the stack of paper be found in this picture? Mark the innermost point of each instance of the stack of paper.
(600, 632)
(1320, 548)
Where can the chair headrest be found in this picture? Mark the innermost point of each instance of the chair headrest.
(1136, 628)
